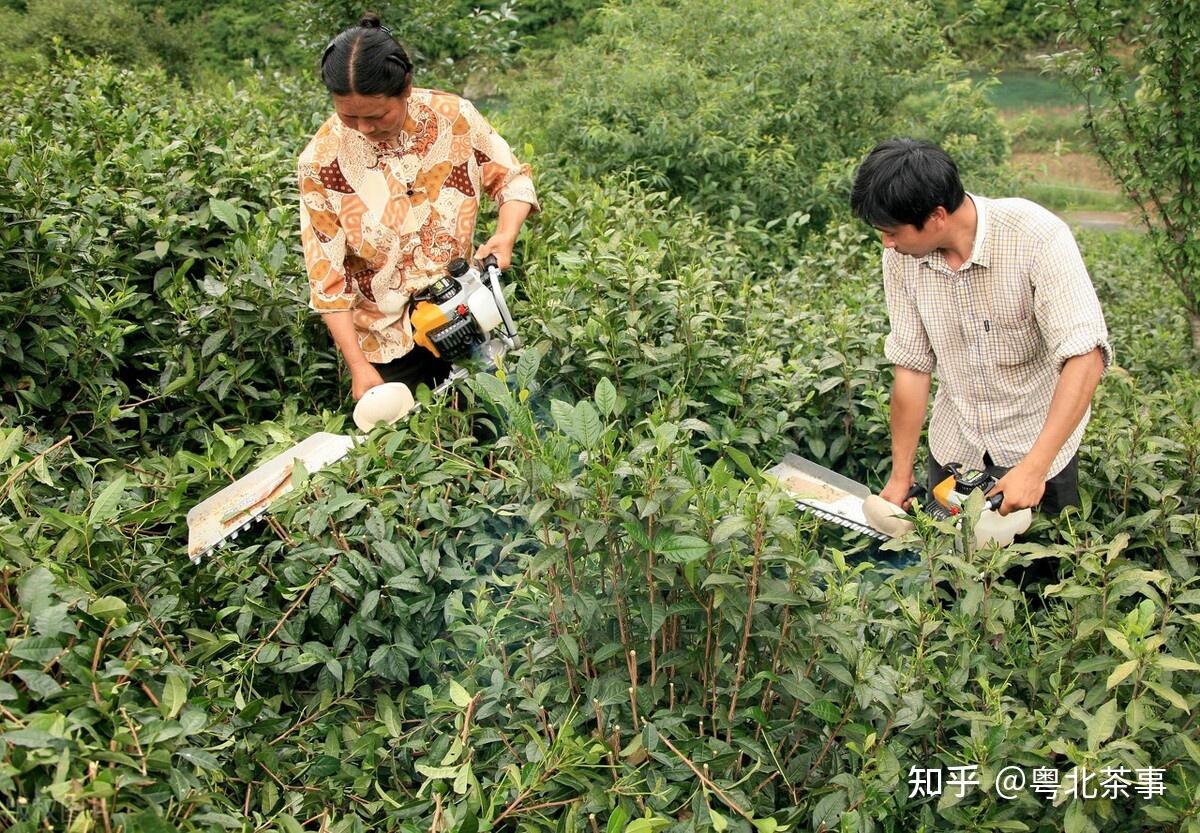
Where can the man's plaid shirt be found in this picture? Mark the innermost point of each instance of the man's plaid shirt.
(997, 330)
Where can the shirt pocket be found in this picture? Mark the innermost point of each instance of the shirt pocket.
(1011, 301)
(1015, 344)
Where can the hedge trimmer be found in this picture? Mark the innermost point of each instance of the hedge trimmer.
(462, 315)
(838, 499)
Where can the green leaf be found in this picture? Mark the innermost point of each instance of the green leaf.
(174, 696)
(39, 649)
(638, 533)
(729, 527)
(616, 821)
(1076, 820)
(683, 549)
(1119, 641)
(1176, 664)
(54, 620)
(1169, 694)
(743, 462)
(826, 710)
(1102, 725)
(224, 211)
(1121, 672)
(588, 426)
(718, 821)
(33, 739)
(606, 397)
(105, 506)
(39, 683)
(10, 441)
(647, 825)
(438, 771)
(108, 608)
(36, 590)
(459, 695)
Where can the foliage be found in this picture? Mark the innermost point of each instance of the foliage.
(978, 29)
(147, 274)
(1148, 140)
(572, 600)
(440, 632)
(753, 112)
(115, 28)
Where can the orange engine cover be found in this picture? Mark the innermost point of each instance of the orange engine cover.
(427, 317)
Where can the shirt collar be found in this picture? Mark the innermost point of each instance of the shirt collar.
(980, 249)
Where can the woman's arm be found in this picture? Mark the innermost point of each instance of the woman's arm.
(508, 226)
(363, 375)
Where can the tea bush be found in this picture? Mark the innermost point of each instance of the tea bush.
(606, 611)
(571, 601)
(149, 273)
(753, 112)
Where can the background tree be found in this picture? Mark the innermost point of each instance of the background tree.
(1138, 68)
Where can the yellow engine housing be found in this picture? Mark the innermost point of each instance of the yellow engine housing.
(427, 317)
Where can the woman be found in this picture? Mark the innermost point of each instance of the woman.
(389, 193)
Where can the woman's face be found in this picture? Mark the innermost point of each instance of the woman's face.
(378, 117)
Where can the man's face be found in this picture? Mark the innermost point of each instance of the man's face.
(378, 117)
(907, 239)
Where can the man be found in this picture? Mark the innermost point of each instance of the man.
(993, 294)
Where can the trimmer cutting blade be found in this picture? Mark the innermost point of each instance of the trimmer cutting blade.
(826, 494)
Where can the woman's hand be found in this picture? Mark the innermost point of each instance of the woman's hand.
(363, 379)
(500, 245)
(508, 225)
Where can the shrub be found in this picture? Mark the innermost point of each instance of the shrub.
(112, 28)
(149, 266)
(753, 111)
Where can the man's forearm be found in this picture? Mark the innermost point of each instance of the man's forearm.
(1072, 396)
(910, 397)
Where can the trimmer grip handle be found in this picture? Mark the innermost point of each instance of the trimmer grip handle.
(994, 502)
(915, 490)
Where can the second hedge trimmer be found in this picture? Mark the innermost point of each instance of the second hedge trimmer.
(463, 315)
(840, 500)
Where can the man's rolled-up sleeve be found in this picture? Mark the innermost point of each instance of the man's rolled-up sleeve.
(1066, 308)
(907, 343)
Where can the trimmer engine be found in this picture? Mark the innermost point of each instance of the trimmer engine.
(952, 492)
(464, 312)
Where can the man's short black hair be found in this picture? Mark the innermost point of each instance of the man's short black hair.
(902, 181)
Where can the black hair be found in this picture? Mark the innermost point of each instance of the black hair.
(902, 181)
(366, 59)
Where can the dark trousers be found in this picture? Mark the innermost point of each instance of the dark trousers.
(417, 367)
(1062, 490)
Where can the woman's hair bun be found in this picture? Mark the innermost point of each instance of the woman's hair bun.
(370, 20)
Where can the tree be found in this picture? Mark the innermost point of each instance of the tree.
(1138, 67)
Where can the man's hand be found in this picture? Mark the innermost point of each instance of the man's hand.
(897, 489)
(1023, 486)
(363, 379)
(500, 245)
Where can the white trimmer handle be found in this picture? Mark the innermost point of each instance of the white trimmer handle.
(994, 528)
(498, 294)
(383, 403)
(885, 516)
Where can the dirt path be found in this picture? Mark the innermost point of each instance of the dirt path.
(1102, 220)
